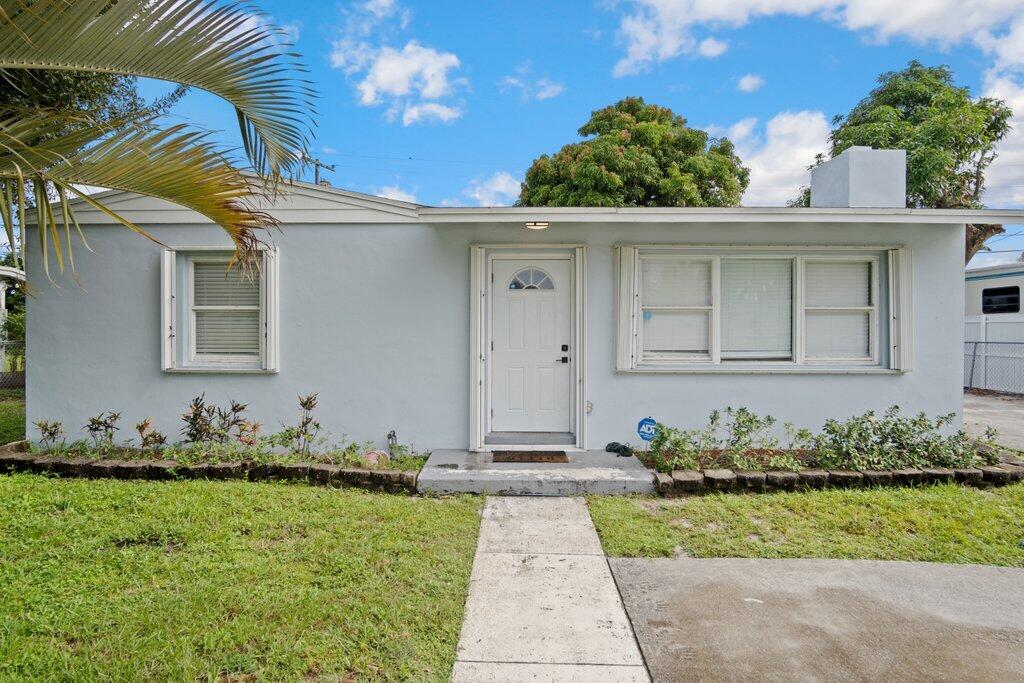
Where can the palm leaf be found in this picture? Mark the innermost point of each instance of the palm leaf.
(177, 164)
(224, 48)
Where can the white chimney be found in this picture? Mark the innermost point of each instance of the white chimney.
(861, 177)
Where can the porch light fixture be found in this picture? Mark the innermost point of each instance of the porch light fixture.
(536, 225)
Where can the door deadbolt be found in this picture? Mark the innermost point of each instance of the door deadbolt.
(565, 347)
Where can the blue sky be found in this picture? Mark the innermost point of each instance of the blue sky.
(448, 103)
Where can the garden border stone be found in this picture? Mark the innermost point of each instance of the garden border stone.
(754, 481)
(877, 478)
(845, 479)
(782, 480)
(698, 482)
(317, 474)
(813, 479)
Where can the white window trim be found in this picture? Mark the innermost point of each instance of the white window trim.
(630, 358)
(267, 360)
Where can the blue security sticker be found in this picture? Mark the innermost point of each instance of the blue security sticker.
(647, 428)
(647, 315)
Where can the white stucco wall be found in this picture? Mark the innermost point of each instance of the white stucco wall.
(375, 318)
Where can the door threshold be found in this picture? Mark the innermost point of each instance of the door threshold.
(487, 448)
(534, 439)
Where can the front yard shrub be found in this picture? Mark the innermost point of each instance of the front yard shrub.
(740, 439)
(214, 434)
(896, 441)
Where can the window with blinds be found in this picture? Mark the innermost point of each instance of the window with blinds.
(676, 306)
(216, 318)
(225, 311)
(839, 310)
(757, 308)
(735, 308)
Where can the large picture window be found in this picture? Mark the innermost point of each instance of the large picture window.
(682, 308)
(216, 318)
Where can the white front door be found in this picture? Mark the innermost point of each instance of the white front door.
(532, 358)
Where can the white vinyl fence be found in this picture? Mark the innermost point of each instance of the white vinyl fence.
(994, 352)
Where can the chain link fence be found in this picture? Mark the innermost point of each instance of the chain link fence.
(994, 366)
(12, 365)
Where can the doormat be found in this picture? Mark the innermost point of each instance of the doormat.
(530, 456)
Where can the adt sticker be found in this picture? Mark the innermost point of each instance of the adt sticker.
(647, 428)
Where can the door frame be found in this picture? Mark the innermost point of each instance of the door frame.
(481, 258)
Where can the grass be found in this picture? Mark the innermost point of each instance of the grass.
(198, 580)
(935, 524)
(12, 415)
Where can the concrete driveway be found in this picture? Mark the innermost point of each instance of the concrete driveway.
(1005, 413)
(782, 620)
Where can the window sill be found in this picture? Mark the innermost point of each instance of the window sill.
(215, 370)
(710, 369)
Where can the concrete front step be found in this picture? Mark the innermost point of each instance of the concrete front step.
(452, 471)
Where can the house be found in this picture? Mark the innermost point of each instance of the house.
(474, 328)
(994, 328)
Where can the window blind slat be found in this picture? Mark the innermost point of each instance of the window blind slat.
(837, 283)
(227, 333)
(757, 308)
(838, 334)
(216, 286)
(671, 282)
(676, 331)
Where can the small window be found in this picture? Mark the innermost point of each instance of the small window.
(1000, 300)
(216, 318)
(531, 278)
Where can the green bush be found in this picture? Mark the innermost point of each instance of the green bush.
(740, 439)
(895, 441)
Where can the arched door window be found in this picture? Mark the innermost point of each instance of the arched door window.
(531, 278)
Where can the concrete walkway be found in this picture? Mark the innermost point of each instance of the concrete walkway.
(1004, 413)
(543, 605)
(825, 620)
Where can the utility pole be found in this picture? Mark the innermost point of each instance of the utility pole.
(317, 165)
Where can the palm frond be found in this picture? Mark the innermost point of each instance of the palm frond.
(225, 48)
(176, 164)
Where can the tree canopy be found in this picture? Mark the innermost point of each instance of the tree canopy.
(638, 154)
(949, 136)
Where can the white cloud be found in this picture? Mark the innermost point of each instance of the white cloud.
(429, 111)
(410, 80)
(710, 47)
(531, 88)
(654, 31)
(397, 193)
(779, 158)
(1005, 179)
(501, 189)
(415, 70)
(982, 258)
(750, 83)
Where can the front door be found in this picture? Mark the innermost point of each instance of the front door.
(531, 336)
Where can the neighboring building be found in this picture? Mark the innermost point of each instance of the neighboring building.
(994, 290)
(514, 326)
(994, 328)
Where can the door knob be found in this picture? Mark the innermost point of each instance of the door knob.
(563, 359)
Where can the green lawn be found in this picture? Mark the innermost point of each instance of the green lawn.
(935, 524)
(191, 580)
(12, 415)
